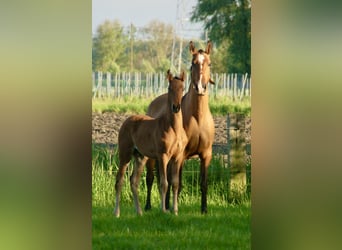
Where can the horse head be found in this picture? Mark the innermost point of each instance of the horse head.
(200, 68)
(175, 91)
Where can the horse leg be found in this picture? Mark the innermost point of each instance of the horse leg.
(180, 179)
(205, 161)
(175, 185)
(149, 181)
(162, 164)
(167, 199)
(124, 160)
(169, 180)
(140, 161)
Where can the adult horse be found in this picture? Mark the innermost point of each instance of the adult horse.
(162, 138)
(197, 120)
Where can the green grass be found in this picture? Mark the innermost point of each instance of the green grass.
(121, 105)
(226, 226)
(218, 105)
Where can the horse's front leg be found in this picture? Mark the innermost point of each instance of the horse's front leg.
(205, 161)
(162, 164)
(175, 172)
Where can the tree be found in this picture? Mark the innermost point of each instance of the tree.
(228, 21)
(108, 47)
(155, 50)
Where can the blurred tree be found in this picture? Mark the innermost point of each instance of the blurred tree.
(155, 47)
(228, 22)
(108, 47)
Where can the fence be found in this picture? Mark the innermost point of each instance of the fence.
(235, 86)
(231, 165)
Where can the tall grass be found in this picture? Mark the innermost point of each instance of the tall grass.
(218, 105)
(105, 166)
(226, 226)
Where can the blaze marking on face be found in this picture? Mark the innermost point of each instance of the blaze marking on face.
(200, 59)
(199, 85)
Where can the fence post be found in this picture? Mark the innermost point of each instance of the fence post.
(108, 84)
(244, 79)
(99, 84)
(236, 153)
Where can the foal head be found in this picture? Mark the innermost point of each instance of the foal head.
(200, 68)
(175, 93)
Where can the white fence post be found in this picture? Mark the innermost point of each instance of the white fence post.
(153, 84)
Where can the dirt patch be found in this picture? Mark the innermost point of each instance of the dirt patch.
(105, 128)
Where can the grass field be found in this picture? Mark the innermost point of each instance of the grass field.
(218, 106)
(226, 226)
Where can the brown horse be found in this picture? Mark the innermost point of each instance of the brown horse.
(197, 121)
(163, 139)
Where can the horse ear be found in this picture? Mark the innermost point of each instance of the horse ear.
(192, 48)
(182, 76)
(169, 75)
(209, 47)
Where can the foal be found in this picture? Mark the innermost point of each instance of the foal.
(163, 139)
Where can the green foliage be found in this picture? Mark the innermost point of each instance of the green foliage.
(108, 47)
(149, 49)
(228, 23)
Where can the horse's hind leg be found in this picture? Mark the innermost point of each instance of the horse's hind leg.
(140, 161)
(149, 181)
(118, 185)
(125, 154)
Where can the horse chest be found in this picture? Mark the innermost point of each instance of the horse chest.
(200, 136)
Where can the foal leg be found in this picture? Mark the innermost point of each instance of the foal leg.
(118, 184)
(162, 164)
(169, 180)
(135, 179)
(149, 181)
(175, 185)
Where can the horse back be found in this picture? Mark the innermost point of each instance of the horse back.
(158, 106)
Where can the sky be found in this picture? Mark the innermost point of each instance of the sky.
(141, 12)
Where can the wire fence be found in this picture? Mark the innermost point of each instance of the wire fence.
(230, 171)
(235, 86)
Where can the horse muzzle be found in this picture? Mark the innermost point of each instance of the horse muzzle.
(201, 89)
(175, 108)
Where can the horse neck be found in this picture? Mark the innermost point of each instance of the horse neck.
(175, 120)
(199, 104)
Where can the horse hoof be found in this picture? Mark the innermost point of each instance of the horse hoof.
(116, 213)
(148, 207)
